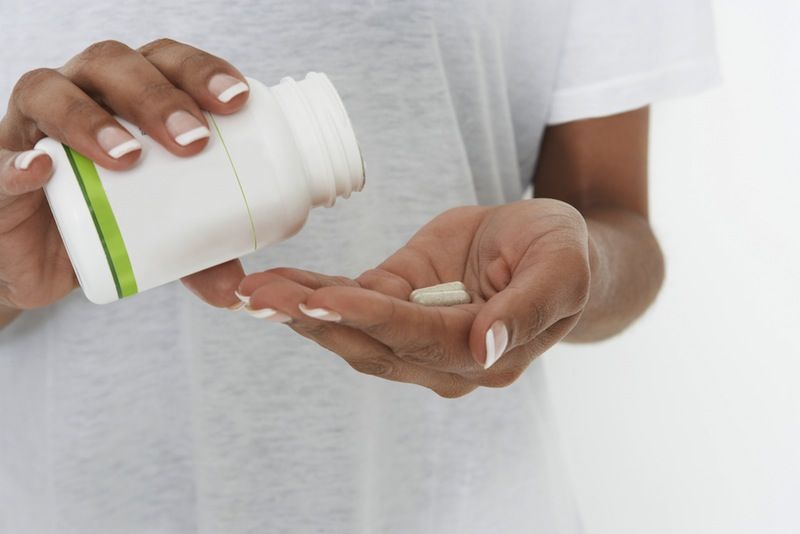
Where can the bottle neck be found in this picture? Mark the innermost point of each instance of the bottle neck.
(324, 137)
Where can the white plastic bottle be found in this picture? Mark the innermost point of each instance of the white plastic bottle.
(290, 148)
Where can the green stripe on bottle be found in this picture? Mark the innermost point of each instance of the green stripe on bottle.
(104, 221)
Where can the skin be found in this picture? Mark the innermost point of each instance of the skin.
(72, 104)
(579, 262)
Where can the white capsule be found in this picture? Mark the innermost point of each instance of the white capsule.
(438, 287)
(447, 294)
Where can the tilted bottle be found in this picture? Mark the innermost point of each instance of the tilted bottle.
(290, 148)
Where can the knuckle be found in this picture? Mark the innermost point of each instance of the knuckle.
(539, 317)
(18, 209)
(195, 61)
(372, 272)
(427, 354)
(159, 92)
(371, 277)
(583, 290)
(17, 132)
(105, 48)
(77, 108)
(374, 330)
(217, 289)
(285, 272)
(342, 281)
(383, 280)
(31, 79)
(317, 330)
(501, 379)
(376, 366)
(453, 392)
(156, 45)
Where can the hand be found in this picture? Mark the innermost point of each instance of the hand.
(526, 266)
(160, 87)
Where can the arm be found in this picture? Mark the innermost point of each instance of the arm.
(581, 264)
(600, 167)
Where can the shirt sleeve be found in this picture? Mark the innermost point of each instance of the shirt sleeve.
(620, 55)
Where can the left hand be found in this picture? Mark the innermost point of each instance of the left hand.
(525, 264)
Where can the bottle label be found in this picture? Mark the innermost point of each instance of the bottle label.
(167, 216)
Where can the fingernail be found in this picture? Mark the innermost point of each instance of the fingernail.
(117, 142)
(244, 298)
(269, 314)
(496, 343)
(236, 307)
(185, 128)
(24, 159)
(225, 87)
(320, 313)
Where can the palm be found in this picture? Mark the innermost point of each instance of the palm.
(482, 247)
(524, 264)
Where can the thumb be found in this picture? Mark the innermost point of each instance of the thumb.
(216, 285)
(22, 172)
(538, 295)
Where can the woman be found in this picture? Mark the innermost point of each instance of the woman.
(160, 413)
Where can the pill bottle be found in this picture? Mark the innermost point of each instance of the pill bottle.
(290, 148)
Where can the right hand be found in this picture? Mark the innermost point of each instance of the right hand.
(161, 87)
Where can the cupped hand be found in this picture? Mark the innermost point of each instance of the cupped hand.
(525, 265)
(162, 87)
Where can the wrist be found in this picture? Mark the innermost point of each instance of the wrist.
(597, 263)
(627, 269)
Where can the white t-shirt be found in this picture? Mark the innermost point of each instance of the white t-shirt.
(159, 414)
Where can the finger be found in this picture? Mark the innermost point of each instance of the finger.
(310, 279)
(385, 282)
(282, 290)
(269, 292)
(411, 264)
(375, 279)
(22, 172)
(359, 350)
(539, 294)
(212, 82)
(434, 337)
(217, 285)
(137, 91)
(428, 257)
(368, 356)
(45, 102)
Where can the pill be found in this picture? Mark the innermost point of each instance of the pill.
(439, 287)
(442, 298)
(447, 294)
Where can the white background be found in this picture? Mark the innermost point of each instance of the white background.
(690, 421)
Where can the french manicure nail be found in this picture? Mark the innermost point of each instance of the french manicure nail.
(236, 307)
(225, 87)
(320, 313)
(185, 128)
(244, 298)
(279, 318)
(496, 343)
(24, 159)
(117, 142)
(269, 314)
